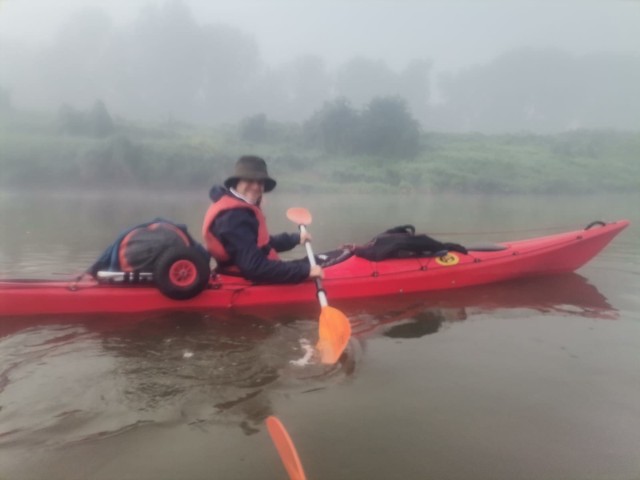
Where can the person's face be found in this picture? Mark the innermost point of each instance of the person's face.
(252, 190)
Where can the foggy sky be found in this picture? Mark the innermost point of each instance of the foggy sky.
(452, 33)
(460, 65)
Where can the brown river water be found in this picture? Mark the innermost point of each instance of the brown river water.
(533, 379)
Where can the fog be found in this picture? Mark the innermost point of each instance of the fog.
(488, 66)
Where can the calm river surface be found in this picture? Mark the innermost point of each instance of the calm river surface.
(537, 379)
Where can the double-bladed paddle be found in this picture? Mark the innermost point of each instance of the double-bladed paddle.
(334, 328)
(286, 448)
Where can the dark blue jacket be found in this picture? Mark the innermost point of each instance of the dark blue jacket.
(237, 230)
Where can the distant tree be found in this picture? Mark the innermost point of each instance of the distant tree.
(231, 69)
(254, 129)
(414, 87)
(100, 121)
(610, 91)
(542, 90)
(384, 129)
(72, 69)
(306, 86)
(334, 128)
(158, 62)
(388, 130)
(361, 79)
(71, 121)
(5, 101)
(95, 122)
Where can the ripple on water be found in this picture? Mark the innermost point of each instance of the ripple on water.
(69, 383)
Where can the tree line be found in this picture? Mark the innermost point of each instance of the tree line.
(384, 128)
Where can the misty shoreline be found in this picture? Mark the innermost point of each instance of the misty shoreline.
(577, 162)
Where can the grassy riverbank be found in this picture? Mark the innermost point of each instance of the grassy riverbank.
(35, 154)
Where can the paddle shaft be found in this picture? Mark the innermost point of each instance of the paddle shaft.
(334, 329)
(322, 296)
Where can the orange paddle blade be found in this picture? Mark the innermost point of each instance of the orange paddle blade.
(334, 333)
(299, 216)
(286, 448)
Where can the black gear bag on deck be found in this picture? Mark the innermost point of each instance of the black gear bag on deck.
(402, 242)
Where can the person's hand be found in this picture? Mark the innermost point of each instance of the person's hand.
(316, 272)
(305, 237)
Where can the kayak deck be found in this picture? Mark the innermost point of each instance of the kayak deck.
(351, 279)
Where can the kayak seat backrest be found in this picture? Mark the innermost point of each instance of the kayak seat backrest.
(486, 247)
(333, 257)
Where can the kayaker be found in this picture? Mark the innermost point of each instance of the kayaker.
(235, 230)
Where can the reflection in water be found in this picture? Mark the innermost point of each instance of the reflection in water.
(415, 321)
(89, 378)
(413, 316)
(71, 383)
(423, 323)
(570, 293)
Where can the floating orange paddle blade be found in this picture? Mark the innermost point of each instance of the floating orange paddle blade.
(334, 332)
(286, 448)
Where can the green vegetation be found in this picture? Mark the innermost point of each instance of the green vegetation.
(39, 151)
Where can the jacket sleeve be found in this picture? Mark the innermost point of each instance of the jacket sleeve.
(284, 241)
(237, 229)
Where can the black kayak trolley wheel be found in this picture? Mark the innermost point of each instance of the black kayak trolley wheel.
(181, 273)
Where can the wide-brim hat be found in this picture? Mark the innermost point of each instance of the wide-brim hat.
(250, 167)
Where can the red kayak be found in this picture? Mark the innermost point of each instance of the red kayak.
(352, 278)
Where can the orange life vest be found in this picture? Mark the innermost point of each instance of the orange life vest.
(214, 245)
